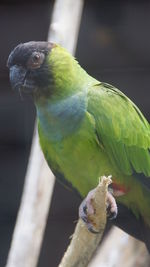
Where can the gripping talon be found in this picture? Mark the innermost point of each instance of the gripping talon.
(112, 209)
(86, 209)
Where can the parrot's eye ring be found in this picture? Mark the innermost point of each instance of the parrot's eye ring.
(35, 60)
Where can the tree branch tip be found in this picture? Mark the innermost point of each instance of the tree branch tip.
(105, 180)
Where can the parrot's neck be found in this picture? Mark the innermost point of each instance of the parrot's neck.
(61, 109)
(66, 77)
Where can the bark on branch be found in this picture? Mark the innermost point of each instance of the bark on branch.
(84, 243)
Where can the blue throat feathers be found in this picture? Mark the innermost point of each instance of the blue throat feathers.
(62, 117)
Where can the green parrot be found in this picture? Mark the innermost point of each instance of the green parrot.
(87, 129)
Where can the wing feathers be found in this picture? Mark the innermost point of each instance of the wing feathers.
(123, 129)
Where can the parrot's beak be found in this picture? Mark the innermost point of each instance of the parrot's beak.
(20, 79)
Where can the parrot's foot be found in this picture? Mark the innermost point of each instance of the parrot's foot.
(112, 209)
(86, 209)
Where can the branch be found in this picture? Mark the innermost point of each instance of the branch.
(39, 181)
(84, 243)
(32, 215)
(124, 251)
(118, 248)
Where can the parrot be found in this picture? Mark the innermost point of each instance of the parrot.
(87, 129)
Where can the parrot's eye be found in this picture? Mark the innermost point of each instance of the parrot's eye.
(35, 60)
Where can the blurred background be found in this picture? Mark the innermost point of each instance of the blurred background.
(113, 46)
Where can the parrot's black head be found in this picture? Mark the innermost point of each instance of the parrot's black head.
(28, 66)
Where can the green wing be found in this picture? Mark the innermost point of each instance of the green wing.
(121, 129)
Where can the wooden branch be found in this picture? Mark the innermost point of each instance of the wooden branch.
(39, 181)
(120, 249)
(32, 215)
(65, 23)
(84, 243)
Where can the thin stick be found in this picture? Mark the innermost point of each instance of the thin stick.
(39, 181)
(84, 243)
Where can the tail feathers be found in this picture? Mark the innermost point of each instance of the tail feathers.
(128, 222)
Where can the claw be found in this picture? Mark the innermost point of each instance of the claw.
(85, 210)
(112, 209)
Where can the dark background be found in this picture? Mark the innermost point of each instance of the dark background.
(113, 46)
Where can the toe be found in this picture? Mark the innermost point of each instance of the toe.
(112, 209)
(91, 228)
(111, 215)
(83, 211)
(86, 210)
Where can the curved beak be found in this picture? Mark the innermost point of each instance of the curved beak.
(20, 80)
(17, 76)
